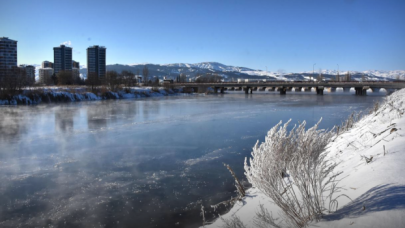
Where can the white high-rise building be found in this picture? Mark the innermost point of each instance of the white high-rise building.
(96, 61)
(8, 55)
(45, 75)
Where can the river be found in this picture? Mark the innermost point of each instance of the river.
(141, 162)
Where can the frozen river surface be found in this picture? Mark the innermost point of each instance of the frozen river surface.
(140, 163)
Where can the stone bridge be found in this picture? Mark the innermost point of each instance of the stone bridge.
(285, 86)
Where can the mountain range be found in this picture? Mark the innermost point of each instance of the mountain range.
(230, 73)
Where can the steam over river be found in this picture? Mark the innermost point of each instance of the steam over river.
(141, 163)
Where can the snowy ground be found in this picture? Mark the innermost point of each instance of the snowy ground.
(61, 94)
(376, 189)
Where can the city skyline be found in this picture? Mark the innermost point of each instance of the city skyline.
(290, 35)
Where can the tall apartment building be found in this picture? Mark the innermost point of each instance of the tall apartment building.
(47, 64)
(62, 58)
(96, 61)
(8, 55)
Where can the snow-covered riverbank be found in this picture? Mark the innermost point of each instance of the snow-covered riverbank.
(54, 95)
(372, 193)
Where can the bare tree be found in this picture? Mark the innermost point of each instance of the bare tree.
(65, 77)
(145, 74)
(92, 80)
(128, 78)
(182, 78)
(112, 80)
(20, 74)
(11, 80)
(54, 79)
(208, 78)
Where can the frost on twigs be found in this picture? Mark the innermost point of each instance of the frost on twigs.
(368, 160)
(233, 222)
(203, 215)
(239, 187)
(290, 168)
(349, 122)
(264, 219)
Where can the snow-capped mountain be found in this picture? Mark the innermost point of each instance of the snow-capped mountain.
(210, 66)
(215, 66)
(392, 74)
(232, 73)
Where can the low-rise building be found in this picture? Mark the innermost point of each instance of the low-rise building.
(75, 74)
(47, 64)
(75, 64)
(45, 76)
(29, 72)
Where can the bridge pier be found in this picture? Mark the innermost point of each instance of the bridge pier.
(283, 90)
(389, 91)
(332, 89)
(248, 89)
(282, 87)
(195, 89)
(202, 89)
(319, 90)
(361, 91)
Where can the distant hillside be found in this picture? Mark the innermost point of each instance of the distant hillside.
(230, 73)
(191, 70)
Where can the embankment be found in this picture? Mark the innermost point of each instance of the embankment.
(57, 95)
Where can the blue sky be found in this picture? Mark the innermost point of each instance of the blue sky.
(290, 35)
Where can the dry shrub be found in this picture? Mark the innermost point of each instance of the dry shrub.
(233, 222)
(291, 169)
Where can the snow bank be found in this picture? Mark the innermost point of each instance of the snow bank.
(55, 94)
(372, 194)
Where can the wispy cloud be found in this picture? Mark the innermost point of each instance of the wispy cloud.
(67, 43)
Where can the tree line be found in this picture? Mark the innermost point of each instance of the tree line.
(14, 79)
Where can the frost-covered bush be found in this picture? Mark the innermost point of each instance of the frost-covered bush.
(290, 168)
(233, 222)
(349, 122)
